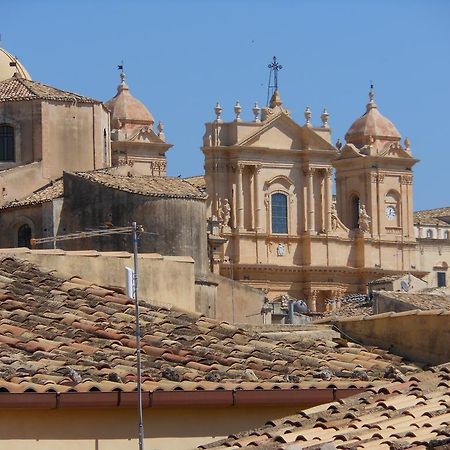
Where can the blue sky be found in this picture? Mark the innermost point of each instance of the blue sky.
(182, 56)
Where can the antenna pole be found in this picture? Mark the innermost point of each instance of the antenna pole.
(138, 337)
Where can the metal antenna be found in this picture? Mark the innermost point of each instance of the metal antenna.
(274, 67)
(135, 230)
(138, 337)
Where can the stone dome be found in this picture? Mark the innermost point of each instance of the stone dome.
(126, 110)
(7, 71)
(371, 125)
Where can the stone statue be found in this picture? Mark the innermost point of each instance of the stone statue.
(364, 219)
(280, 249)
(334, 216)
(225, 214)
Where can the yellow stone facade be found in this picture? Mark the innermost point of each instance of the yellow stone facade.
(270, 187)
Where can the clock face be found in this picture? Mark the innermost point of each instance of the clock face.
(390, 212)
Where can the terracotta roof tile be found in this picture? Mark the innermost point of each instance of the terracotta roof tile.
(51, 335)
(416, 413)
(16, 88)
(45, 194)
(435, 299)
(432, 216)
(172, 187)
(198, 181)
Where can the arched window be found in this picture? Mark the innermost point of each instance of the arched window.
(24, 236)
(279, 213)
(7, 143)
(429, 234)
(355, 206)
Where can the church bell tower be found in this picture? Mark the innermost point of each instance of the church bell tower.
(374, 178)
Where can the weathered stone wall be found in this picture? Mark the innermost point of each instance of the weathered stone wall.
(12, 219)
(420, 336)
(384, 303)
(179, 224)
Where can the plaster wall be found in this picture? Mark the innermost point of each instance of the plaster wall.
(50, 137)
(26, 118)
(422, 336)
(20, 181)
(116, 429)
(162, 279)
(237, 302)
(74, 137)
(433, 256)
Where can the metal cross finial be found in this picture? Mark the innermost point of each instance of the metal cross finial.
(122, 73)
(274, 67)
(371, 92)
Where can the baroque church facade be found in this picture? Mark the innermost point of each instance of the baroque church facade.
(274, 222)
(270, 187)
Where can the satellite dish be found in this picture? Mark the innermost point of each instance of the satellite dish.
(404, 285)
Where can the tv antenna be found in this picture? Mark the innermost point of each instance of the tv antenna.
(272, 86)
(135, 230)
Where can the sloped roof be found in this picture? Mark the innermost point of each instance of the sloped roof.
(424, 300)
(198, 181)
(432, 216)
(152, 186)
(45, 194)
(17, 88)
(400, 416)
(60, 333)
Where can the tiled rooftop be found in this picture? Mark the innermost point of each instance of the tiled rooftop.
(432, 216)
(45, 194)
(16, 88)
(172, 187)
(198, 181)
(425, 300)
(404, 415)
(60, 333)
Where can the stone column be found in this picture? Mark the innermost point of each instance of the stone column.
(239, 197)
(258, 209)
(328, 199)
(309, 173)
(312, 303)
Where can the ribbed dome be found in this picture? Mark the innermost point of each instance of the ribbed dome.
(126, 109)
(372, 125)
(7, 71)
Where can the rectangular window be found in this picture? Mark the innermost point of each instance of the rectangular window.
(441, 279)
(279, 214)
(6, 143)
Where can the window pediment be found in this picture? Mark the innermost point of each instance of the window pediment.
(282, 180)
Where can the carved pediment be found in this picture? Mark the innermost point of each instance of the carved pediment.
(283, 133)
(394, 150)
(145, 134)
(350, 151)
(280, 133)
(285, 181)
